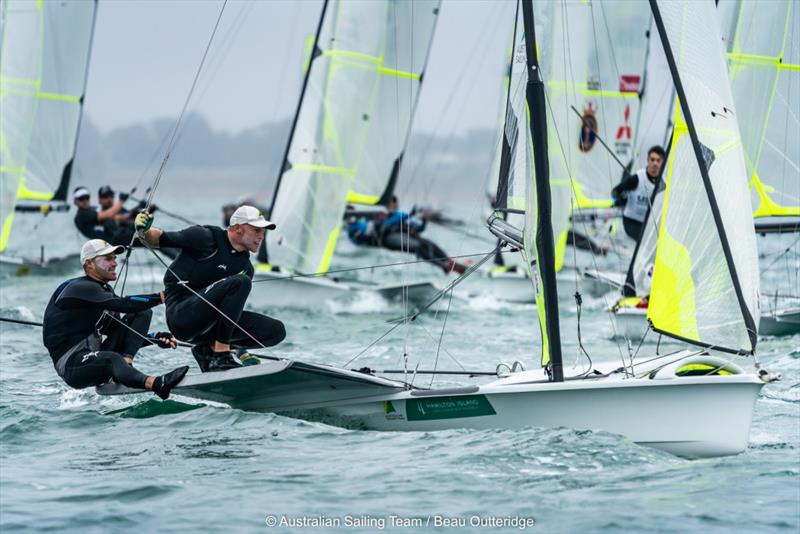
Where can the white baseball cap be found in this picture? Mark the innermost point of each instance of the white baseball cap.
(252, 216)
(81, 192)
(98, 247)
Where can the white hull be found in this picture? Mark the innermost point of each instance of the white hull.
(691, 416)
(277, 289)
(663, 415)
(780, 323)
(13, 266)
(631, 323)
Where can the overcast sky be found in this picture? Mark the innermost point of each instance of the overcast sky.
(145, 55)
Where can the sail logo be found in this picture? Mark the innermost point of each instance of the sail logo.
(589, 128)
(622, 146)
(629, 83)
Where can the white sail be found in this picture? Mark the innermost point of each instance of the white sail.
(352, 124)
(594, 59)
(705, 283)
(764, 58)
(43, 62)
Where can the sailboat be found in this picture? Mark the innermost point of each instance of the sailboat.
(705, 291)
(765, 79)
(44, 61)
(764, 69)
(595, 88)
(346, 144)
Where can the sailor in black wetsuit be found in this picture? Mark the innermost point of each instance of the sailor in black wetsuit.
(94, 223)
(639, 188)
(214, 264)
(84, 309)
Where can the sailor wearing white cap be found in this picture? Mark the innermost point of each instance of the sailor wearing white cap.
(215, 263)
(85, 310)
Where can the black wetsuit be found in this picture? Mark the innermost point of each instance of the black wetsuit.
(223, 276)
(400, 231)
(91, 228)
(74, 324)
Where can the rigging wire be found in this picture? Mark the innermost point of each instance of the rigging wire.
(176, 129)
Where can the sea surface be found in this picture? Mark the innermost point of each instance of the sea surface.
(75, 461)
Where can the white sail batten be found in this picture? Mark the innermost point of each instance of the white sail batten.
(764, 60)
(352, 124)
(44, 58)
(705, 283)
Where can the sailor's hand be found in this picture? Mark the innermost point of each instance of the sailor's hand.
(163, 296)
(143, 222)
(165, 340)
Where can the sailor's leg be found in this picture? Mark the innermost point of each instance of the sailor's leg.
(198, 320)
(395, 241)
(85, 369)
(127, 339)
(266, 330)
(632, 227)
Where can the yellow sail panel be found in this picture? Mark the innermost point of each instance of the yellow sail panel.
(672, 306)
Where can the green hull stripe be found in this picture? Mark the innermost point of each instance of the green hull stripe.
(433, 408)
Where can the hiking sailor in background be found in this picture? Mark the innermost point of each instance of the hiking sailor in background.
(215, 264)
(635, 191)
(398, 230)
(96, 223)
(83, 310)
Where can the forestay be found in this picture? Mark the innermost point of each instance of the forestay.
(705, 285)
(43, 64)
(764, 58)
(352, 123)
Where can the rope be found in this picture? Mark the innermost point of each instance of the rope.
(380, 266)
(175, 130)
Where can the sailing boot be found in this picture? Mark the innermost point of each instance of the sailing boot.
(222, 361)
(246, 358)
(202, 355)
(163, 384)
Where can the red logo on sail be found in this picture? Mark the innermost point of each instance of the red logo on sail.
(629, 83)
(624, 131)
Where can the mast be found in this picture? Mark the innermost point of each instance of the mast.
(545, 247)
(315, 51)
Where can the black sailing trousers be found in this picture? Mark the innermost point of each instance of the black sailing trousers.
(88, 368)
(193, 320)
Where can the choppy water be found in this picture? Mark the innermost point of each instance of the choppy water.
(70, 460)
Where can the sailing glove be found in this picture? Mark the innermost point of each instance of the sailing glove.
(143, 222)
(156, 337)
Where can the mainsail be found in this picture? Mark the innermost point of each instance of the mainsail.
(594, 59)
(44, 58)
(352, 123)
(764, 57)
(705, 283)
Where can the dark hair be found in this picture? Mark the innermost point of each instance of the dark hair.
(105, 191)
(658, 150)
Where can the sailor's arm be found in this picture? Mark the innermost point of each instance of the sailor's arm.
(90, 294)
(109, 213)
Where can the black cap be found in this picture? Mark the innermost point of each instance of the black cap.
(105, 191)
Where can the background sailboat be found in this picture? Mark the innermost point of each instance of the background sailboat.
(44, 60)
(764, 59)
(347, 140)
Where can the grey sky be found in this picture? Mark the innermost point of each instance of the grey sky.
(145, 54)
